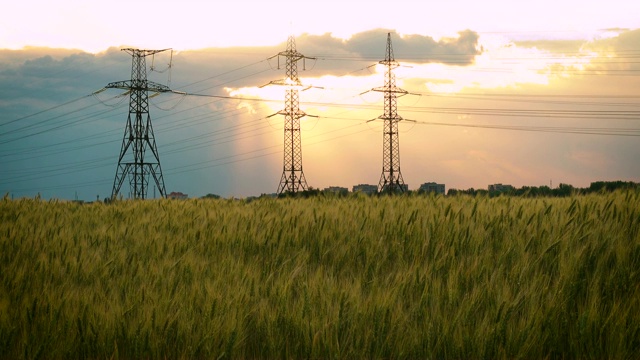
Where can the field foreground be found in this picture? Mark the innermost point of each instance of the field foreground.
(357, 277)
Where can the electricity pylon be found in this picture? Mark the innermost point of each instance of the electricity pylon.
(138, 133)
(292, 179)
(391, 179)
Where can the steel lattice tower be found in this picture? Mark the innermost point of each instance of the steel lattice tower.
(391, 178)
(292, 179)
(138, 133)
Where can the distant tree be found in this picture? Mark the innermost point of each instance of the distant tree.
(482, 192)
(211, 196)
(341, 193)
(544, 191)
(563, 190)
(452, 192)
(611, 186)
(311, 192)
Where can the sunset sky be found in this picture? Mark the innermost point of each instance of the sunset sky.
(501, 92)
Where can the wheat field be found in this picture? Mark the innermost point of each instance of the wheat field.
(323, 277)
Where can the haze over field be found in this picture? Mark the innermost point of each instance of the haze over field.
(501, 93)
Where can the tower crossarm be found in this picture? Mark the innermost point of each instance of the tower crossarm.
(286, 82)
(395, 117)
(138, 85)
(391, 89)
(142, 52)
(294, 115)
(390, 63)
(292, 55)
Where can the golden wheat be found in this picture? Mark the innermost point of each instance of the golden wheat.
(324, 277)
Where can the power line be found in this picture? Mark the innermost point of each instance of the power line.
(41, 112)
(201, 166)
(624, 115)
(58, 127)
(587, 114)
(548, 129)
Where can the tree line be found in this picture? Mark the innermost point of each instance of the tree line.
(561, 191)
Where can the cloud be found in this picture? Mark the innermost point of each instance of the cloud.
(553, 46)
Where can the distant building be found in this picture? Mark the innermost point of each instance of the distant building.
(177, 196)
(366, 188)
(432, 187)
(336, 189)
(500, 188)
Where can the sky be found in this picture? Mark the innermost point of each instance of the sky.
(499, 92)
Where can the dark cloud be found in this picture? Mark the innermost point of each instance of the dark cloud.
(55, 75)
(371, 46)
(73, 72)
(418, 48)
(452, 51)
